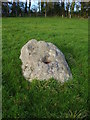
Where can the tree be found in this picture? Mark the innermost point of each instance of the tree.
(4, 9)
(14, 8)
(50, 8)
(29, 6)
(67, 8)
(7, 9)
(46, 8)
(84, 9)
(77, 8)
(39, 4)
(42, 7)
(22, 8)
(57, 8)
(18, 8)
(63, 9)
(72, 8)
(26, 7)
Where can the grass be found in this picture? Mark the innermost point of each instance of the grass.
(45, 99)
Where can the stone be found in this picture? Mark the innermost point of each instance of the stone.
(43, 60)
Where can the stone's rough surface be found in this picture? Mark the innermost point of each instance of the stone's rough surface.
(42, 60)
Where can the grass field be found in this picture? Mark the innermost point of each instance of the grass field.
(45, 99)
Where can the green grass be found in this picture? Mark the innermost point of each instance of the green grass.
(45, 99)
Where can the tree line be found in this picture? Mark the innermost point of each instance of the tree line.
(60, 8)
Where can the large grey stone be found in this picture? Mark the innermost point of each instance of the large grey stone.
(43, 60)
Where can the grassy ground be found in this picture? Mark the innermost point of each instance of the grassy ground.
(47, 99)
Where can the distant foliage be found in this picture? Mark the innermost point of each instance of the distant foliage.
(18, 9)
